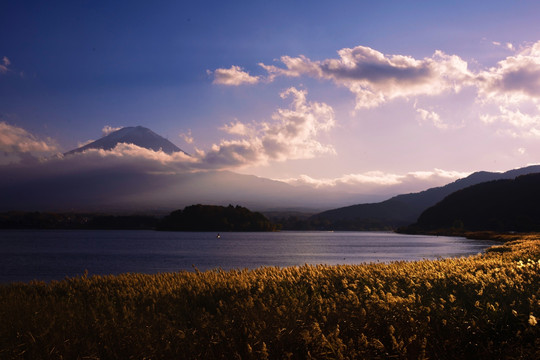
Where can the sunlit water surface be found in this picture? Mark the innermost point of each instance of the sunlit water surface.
(54, 254)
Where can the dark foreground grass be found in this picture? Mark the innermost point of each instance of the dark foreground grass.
(481, 307)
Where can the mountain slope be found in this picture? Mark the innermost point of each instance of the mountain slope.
(136, 135)
(404, 209)
(500, 205)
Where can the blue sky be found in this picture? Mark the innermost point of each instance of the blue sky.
(265, 88)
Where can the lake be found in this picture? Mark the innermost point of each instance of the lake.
(54, 254)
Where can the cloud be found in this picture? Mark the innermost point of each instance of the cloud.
(187, 137)
(381, 182)
(431, 116)
(234, 76)
(14, 139)
(508, 46)
(513, 117)
(513, 80)
(237, 128)
(5, 64)
(107, 129)
(376, 78)
(507, 93)
(292, 134)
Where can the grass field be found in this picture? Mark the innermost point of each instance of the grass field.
(481, 307)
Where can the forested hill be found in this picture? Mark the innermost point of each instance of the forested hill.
(404, 209)
(215, 218)
(501, 205)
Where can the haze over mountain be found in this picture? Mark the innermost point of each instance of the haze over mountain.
(404, 209)
(136, 135)
(134, 169)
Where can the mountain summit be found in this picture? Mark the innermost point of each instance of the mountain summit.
(136, 135)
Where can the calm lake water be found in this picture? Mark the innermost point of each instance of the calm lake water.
(54, 254)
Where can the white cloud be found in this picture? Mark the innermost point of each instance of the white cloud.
(513, 80)
(14, 139)
(513, 122)
(107, 129)
(187, 137)
(234, 76)
(431, 116)
(379, 182)
(290, 135)
(510, 91)
(376, 78)
(507, 45)
(133, 158)
(237, 128)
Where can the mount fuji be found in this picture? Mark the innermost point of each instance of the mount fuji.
(136, 135)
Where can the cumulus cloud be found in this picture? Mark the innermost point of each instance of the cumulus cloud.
(515, 79)
(237, 128)
(375, 78)
(234, 76)
(14, 139)
(292, 134)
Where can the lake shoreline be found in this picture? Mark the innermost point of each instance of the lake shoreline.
(54, 254)
(479, 307)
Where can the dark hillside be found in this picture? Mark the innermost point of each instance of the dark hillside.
(502, 205)
(404, 209)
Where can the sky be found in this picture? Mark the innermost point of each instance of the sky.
(363, 96)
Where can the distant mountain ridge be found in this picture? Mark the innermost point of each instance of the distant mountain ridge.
(137, 135)
(499, 205)
(405, 209)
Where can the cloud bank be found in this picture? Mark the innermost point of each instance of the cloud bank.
(16, 143)
(380, 182)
